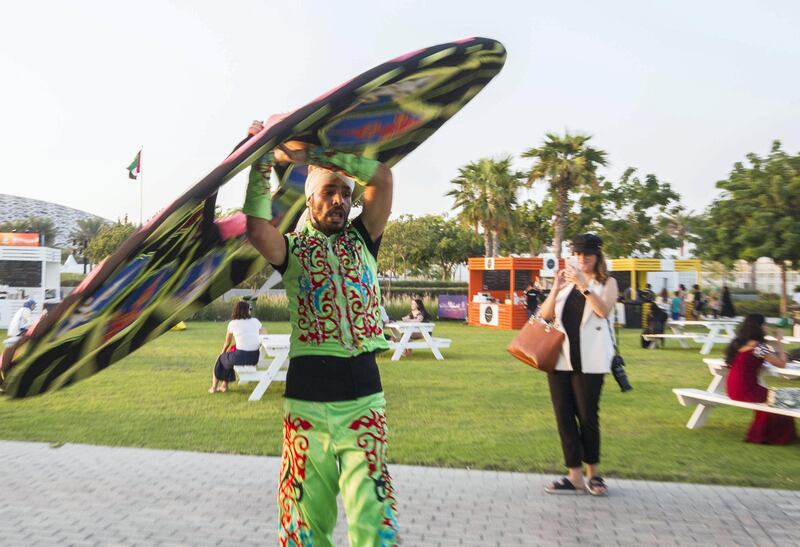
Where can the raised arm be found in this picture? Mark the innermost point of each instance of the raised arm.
(372, 174)
(265, 237)
(778, 358)
(548, 308)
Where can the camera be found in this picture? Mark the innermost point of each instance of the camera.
(618, 370)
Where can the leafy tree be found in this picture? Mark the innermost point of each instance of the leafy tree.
(486, 194)
(765, 197)
(448, 244)
(680, 225)
(629, 215)
(429, 245)
(568, 164)
(395, 242)
(42, 225)
(533, 228)
(717, 231)
(108, 240)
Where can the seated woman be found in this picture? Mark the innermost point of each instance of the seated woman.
(245, 331)
(418, 314)
(745, 356)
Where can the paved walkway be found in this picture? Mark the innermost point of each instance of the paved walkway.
(89, 495)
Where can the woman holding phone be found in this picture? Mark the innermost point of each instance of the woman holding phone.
(581, 303)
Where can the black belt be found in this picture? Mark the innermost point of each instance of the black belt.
(326, 379)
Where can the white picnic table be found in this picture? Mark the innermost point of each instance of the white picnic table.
(271, 366)
(716, 394)
(406, 328)
(719, 331)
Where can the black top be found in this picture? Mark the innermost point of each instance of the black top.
(532, 296)
(571, 319)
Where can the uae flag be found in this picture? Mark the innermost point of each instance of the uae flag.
(136, 166)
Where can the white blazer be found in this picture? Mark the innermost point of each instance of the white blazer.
(597, 346)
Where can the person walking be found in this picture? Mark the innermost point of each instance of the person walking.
(727, 309)
(334, 427)
(581, 303)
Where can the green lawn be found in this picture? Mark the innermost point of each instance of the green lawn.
(479, 408)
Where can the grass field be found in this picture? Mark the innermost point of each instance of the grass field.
(479, 408)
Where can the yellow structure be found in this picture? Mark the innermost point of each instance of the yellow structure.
(638, 268)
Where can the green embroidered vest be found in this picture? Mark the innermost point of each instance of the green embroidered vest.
(332, 286)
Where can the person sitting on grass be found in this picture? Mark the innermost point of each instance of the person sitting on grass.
(245, 331)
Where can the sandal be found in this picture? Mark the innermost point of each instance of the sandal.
(597, 487)
(564, 486)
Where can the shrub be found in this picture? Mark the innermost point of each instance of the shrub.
(71, 279)
(275, 308)
(265, 308)
(768, 306)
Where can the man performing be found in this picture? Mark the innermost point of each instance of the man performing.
(334, 428)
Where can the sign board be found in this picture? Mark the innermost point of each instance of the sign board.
(20, 273)
(490, 315)
(549, 265)
(453, 306)
(13, 239)
(488, 263)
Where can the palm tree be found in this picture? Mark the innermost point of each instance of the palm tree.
(680, 225)
(569, 165)
(486, 193)
(87, 228)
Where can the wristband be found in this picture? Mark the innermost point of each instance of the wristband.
(358, 167)
(258, 198)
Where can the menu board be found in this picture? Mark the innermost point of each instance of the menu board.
(20, 273)
(496, 280)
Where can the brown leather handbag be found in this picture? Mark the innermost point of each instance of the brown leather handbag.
(537, 344)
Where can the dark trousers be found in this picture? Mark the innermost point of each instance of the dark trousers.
(223, 369)
(576, 402)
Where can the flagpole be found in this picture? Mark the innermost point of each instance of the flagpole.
(141, 186)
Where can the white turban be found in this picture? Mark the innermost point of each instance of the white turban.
(317, 177)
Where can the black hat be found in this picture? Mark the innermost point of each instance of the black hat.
(588, 244)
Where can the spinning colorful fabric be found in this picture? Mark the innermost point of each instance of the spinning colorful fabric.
(183, 258)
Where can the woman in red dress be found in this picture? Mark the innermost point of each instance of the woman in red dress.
(745, 356)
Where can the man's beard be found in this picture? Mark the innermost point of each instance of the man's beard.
(332, 221)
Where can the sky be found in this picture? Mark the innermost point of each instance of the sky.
(681, 89)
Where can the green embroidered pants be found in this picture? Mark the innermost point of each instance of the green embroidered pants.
(330, 448)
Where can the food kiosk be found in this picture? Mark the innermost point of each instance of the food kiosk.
(27, 270)
(497, 289)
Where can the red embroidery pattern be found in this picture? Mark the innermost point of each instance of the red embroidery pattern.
(294, 530)
(374, 443)
(360, 288)
(319, 316)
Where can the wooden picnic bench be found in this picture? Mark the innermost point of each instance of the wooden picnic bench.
(715, 394)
